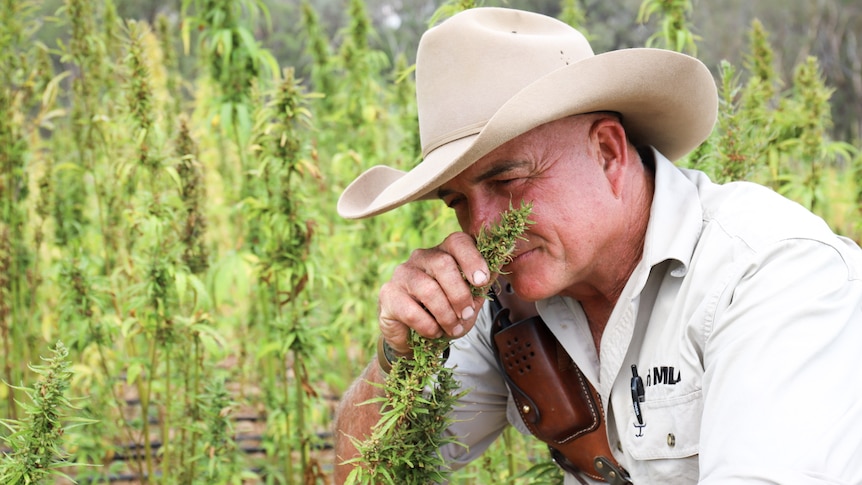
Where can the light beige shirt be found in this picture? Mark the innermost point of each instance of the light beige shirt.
(744, 319)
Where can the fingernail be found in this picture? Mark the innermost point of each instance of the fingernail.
(457, 331)
(479, 277)
(467, 313)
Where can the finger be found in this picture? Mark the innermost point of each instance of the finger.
(462, 247)
(462, 260)
(399, 311)
(444, 293)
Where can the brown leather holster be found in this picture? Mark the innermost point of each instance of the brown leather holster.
(556, 402)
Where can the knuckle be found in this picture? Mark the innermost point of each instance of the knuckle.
(447, 320)
(442, 265)
(457, 239)
(401, 272)
(419, 254)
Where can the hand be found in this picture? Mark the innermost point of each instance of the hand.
(428, 293)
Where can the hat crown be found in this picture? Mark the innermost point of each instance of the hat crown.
(473, 63)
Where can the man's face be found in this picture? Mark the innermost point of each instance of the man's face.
(559, 168)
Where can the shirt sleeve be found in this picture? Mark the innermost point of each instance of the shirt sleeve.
(782, 388)
(480, 415)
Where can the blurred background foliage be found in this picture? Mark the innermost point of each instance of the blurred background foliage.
(826, 29)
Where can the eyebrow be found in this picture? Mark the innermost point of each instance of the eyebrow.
(493, 171)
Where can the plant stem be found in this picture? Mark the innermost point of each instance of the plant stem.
(300, 376)
(145, 411)
(510, 458)
(195, 390)
(288, 462)
(167, 465)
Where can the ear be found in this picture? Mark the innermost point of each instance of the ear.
(610, 138)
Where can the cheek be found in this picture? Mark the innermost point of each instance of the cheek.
(558, 222)
(575, 209)
(569, 238)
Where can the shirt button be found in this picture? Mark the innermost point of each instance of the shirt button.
(671, 440)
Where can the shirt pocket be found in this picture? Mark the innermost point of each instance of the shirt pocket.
(671, 428)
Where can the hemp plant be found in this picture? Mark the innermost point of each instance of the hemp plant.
(193, 195)
(235, 60)
(419, 392)
(497, 243)
(735, 147)
(36, 440)
(279, 233)
(221, 455)
(807, 114)
(758, 98)
(675, 33)
(91, 95)
(22, 77)
(318, 49)
(360, 62)
(573, 13)
(452, 7)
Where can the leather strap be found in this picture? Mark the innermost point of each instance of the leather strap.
(556, 402)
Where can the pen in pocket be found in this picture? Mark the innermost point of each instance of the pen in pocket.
(637, 394)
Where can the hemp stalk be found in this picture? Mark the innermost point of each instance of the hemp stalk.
(419, 392)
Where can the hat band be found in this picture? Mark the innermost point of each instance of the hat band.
(464, 132)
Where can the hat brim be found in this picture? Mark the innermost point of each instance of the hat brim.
(666, 99)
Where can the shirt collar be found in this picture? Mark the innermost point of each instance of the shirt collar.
(676, 218)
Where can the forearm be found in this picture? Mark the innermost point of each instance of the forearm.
(353, 420)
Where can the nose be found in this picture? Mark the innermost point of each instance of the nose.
(482, 213)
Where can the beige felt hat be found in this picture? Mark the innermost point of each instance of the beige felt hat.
(487, 75)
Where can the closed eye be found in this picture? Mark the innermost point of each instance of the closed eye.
(454, 202)
(502, 176)
(508, 184)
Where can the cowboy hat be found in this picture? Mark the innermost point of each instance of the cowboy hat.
(487, 75)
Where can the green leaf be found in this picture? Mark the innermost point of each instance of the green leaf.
(181, 281)
(133, 372)
(49, 96)
(268, 348)
(175, 176)
(226, 114)
(212, 333)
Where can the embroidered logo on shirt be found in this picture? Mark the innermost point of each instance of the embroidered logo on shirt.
(666, 375)
(663, 375)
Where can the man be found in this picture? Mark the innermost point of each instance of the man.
(718, 326)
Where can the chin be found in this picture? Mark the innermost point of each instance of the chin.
(527, 289)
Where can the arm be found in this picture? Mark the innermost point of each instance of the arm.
(782, 403)
(353, 420)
